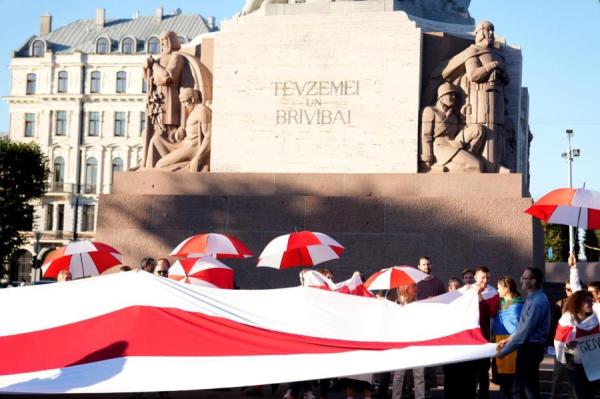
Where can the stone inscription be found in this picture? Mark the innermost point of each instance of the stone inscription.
(312, 95)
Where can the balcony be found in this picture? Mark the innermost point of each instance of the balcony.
(54, 188)
(89, 189)
(52, 235)
(58, 187)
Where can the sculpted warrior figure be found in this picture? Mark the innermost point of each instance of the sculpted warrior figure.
(486, 79)
(446, 143)
(194, 138)
(163, 108)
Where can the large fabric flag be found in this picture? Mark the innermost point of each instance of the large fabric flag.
(123, 327)
(352, 286)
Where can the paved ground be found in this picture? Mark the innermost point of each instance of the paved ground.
(235, 393)
(218, 394)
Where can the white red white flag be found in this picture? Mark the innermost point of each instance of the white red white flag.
(110, 333)
(352, 286)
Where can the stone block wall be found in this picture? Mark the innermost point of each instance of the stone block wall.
(382, 220)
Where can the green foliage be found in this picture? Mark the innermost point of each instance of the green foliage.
(592, 239)
(556, 236)
(23, 173)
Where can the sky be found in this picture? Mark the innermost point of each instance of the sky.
(560, 41)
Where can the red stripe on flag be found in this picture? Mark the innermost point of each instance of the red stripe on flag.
(562, 333)
(152, 331)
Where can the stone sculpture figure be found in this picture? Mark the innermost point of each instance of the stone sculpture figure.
(447, 144)
(163, 108)
(193, 140)
(252, 5)
(484, 81)
(176, 136)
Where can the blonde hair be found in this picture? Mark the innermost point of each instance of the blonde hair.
(64, 275)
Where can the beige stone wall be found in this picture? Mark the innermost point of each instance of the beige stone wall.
(333, 92)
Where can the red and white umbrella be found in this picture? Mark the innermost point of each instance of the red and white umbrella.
(205, 271)
(219, 246)
(302, 248)
(393, 277)
(576, 207)
(82, 259)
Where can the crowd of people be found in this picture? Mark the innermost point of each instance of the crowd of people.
(521, 323)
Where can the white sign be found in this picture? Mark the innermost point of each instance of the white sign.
(589, 347)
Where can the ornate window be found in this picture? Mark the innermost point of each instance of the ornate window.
(120, 124)
(29, 124)
(61, 123)
(60, 221)
(88, 214)
(63, 81)
(128, 46)
(153, 45)
(49, 217)
(117, 166)
(91, 175)
(95, 82)
(59, 174)
(38, 48)
(31, 81)
(121, 82)
(94, 124)
(102, 46)
(142, 122)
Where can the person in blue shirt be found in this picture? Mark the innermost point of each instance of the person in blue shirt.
(530, 337)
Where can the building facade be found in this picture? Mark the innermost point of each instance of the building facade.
(79, 93)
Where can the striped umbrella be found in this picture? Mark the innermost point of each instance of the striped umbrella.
(219, 246)
(302, 248)
(393, 277)
(576, 207)
(82, 259)
(205, 271)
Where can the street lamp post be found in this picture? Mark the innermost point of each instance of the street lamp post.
(570, 155)
(34, 276)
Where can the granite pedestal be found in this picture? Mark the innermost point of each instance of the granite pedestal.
(458, 220)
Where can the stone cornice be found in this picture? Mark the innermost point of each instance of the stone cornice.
(95, 98)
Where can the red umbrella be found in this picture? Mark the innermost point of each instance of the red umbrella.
(571, 206)
(216, 245)
(393, 277)
(303, 248)
(205, 271)
(82, 259)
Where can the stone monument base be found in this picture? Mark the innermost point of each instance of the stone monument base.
(458, 220)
